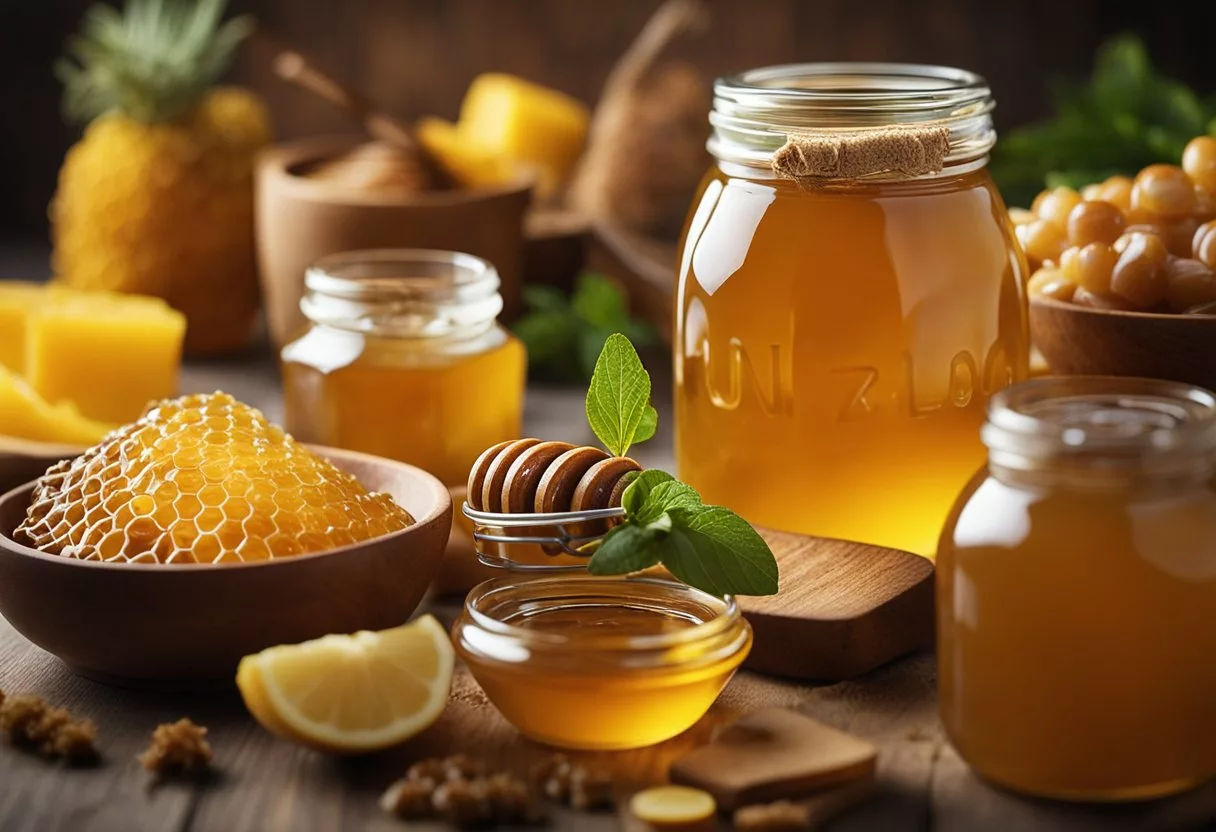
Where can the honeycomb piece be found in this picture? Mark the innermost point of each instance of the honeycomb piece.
(201, 479)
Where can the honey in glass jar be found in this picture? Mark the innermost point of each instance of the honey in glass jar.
(840, 329)
(1077, 592)
(403, 358)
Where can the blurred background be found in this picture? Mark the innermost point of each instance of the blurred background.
(416, 57)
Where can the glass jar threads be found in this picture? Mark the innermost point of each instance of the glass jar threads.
(849, 296)
(403, 358)
(1077, 592)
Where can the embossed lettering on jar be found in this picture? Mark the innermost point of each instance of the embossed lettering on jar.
(837, 338)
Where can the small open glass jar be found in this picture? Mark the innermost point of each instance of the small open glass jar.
(1077, 592)
(403, 358)
(583, 662)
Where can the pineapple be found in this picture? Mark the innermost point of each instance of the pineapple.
(157, 196)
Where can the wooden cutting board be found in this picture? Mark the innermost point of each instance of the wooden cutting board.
(843, 608)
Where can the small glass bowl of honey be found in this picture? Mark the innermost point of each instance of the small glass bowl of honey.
(651, 654)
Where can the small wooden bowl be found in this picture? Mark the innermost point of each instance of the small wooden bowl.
(300, 220)
(141, 624)
(1077, 340)
(22, 460)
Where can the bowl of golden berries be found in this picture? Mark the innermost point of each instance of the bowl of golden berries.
(202, 533)
(1123, 275)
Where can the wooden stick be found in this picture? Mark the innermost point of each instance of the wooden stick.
(294, 67)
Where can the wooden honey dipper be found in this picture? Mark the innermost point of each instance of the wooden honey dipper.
(529, 475)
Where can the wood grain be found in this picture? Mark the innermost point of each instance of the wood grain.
(264, 784)
(843, 609)
(1079, 341)
(267, 785)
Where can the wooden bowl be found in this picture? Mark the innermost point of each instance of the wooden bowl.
(22, 460)
(300, 220)
(1077, 340)
(142, 624)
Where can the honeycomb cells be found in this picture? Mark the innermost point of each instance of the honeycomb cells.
(201, 479)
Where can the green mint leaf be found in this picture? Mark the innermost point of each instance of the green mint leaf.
(625, 549)
(599, 302)
(653, 494)
(716, 550)
(648, 425)
(542, 298)
(636, 495)
(590, 343)
(618, 395)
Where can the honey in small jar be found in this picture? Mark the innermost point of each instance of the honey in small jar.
(839, 332)
(600, 663)
(404, 359)
(1077, 592)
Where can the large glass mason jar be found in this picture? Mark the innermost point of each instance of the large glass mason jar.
(1076, 592)
(849, 296)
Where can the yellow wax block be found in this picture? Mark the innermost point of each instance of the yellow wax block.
(470, 163)
(26, 415)
(109, 353)
(16, 300)
(526, 123)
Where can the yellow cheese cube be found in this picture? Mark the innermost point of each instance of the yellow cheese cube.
(26, 415)
(471, 164)
(525, 123)
(109, 353)
(16, 300)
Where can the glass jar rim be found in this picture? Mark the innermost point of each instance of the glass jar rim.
(727, 615)
(338, 274)
(755, 111)
(416, 293)
(1115, 420)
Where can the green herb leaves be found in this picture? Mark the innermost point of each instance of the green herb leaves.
(564, 335)
(618, 398)
(1127, 116)
(708, 547)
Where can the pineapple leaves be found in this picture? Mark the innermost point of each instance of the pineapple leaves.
(150, 62)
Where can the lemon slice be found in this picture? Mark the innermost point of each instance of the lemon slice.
(351, 693)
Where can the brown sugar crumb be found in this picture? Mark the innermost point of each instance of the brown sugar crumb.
(782, 816)
(29, 721)
(574, 784)
(410, 799)
(461, 791)
(178, 748)
(75, 741)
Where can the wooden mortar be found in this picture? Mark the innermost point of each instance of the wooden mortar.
(300, 220)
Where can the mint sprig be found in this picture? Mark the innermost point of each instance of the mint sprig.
(618, 398)
(708, 547)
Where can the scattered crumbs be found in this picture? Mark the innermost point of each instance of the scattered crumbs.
(469, 694)
(573, 784)
(462, 791)
(178, 748)
(782, 816)
(31, 722)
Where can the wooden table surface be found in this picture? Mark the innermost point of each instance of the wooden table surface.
(268, 785)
